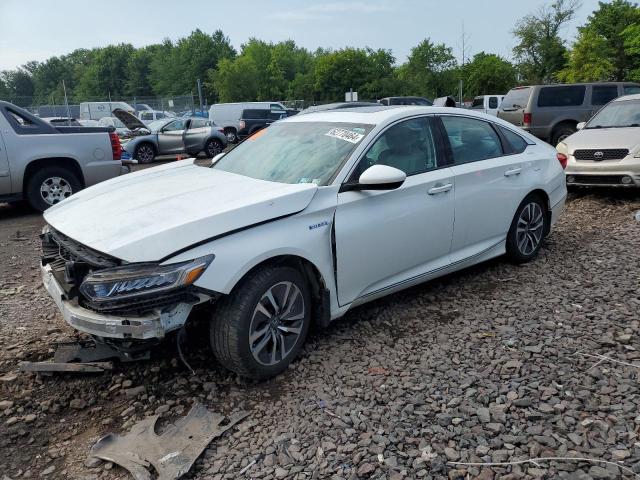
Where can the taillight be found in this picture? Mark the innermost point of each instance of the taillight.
(562, 158)
(527, 120)
(116, 147)
(242, 124)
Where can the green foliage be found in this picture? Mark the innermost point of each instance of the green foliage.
(540, 51)
(590, 60)
(106, 73)
(430, 71)
(488, 73)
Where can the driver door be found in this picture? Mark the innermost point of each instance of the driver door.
(171, 137)
(388, 239)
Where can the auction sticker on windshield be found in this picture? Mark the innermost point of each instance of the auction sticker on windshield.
(344, 134)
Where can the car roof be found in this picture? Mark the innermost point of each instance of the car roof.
(378, 114)
(635, 96)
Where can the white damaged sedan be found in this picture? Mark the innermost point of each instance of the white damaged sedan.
(296, 225)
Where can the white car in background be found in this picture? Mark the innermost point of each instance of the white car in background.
(298, 224)
(605, 151)
(488, 104)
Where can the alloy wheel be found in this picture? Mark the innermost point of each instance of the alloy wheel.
(529, 230)
(145, 154)
(55, 189)
(276, 323)
(213, 148)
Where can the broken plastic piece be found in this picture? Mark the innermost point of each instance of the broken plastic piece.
(173, 452)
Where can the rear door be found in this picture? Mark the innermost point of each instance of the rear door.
(196, 134)
(5, 172)
(171, 137)
(491, 179)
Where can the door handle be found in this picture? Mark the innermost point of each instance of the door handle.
(514, 171)
(439, 188)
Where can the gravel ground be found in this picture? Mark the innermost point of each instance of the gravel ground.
(497, 363)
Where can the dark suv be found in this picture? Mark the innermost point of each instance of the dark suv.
(551, 112)
(255, 119)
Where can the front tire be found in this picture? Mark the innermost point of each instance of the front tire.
(145, 153)
(213, 147)
(232, 136)
(261, 326)
(51, 185)
(528, 228)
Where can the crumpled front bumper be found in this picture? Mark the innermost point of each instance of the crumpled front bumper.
(154, 325)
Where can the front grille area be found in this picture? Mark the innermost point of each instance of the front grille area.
(601, 154)
(597, 179)
(138, 306)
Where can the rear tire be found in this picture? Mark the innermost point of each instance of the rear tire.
(562, 132)
(528, 228)
(232, 136)
(213, 147)
(255, 337)
(145, 153)
(51, 185)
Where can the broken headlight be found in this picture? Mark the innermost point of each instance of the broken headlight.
(141, 279)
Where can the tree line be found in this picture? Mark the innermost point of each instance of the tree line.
(606, 47)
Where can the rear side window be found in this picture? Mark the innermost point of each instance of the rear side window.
(564, 96)
(255, 114)
(471, 140)
(516, 99)
(602, 94)
(517, 143)
(493, 102)
(197, 123)
(631, 89)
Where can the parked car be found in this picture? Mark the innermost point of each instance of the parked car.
(405, 101)
(171, 136)
(227, 115)
(297, 225)
(45, 164)
(141, 107)
(606, 150)
(69, 122)
(336, 106)
(488, 104)
(97, 110)
(255, 119)
(148, 116)
(552, 112)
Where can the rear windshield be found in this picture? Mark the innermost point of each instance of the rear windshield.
(564, 96)
(516, 99)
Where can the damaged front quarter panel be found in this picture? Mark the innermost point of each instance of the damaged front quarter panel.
(172, 453)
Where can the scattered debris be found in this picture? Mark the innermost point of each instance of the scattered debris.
(12, 290)
(173, 452)
(94, 367)
(88, 352)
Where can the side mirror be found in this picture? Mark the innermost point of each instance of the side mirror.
(378, 177)
(581, 125)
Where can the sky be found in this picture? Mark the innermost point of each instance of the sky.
(39, 29)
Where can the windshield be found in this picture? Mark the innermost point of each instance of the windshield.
(295, 152)
(157, 125)
(516, 99)
(624, 113)
(478, 102)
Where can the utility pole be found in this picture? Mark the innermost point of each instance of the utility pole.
(464, 57)
(66, 102)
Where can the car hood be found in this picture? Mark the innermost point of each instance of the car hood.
(151, 214)
(603, 138)
(130, 121)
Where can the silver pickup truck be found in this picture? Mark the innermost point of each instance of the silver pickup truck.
(44, 164)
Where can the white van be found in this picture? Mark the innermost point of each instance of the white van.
(97, 110)
(487, 104)
(227, 115)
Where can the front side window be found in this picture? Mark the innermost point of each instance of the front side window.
(603, 94)
(175, 126)
(478, 102)
(471, 140)
(407, 146)
(564, 96)
(295, 152)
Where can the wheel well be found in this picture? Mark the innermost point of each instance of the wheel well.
(35, 165)
(320, 294)
(542, 194)
(229, 129)
(563, 123)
